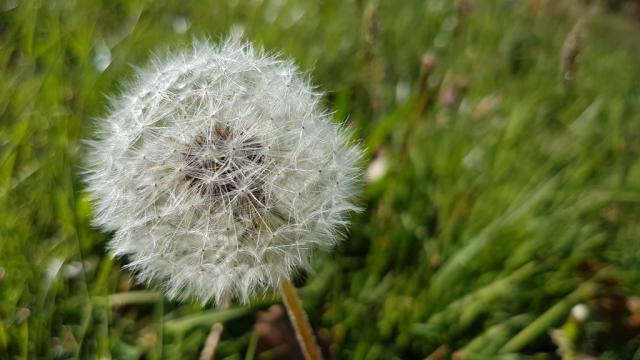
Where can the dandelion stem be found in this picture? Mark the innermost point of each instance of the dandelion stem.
(213, 339)
(298, 317)
(212, 342)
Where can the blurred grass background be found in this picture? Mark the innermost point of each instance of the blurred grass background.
(503, 200)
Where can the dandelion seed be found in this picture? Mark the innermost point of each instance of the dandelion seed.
(217, 169)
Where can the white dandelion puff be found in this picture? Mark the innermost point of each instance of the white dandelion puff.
(219, 172)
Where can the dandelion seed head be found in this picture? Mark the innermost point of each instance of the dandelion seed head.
(220, 173)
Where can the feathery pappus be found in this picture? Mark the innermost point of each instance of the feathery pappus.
(219, 172)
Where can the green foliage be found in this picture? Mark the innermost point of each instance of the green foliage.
(509, 134)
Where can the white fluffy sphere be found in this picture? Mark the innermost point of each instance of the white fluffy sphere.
(219, 172)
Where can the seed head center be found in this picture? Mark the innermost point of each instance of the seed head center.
(224, 162)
